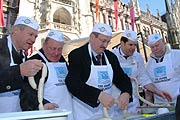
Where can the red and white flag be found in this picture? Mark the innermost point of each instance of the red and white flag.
(116, 13)
(132, 17)
(1, 13)
(29, 51)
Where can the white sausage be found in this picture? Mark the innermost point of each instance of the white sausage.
(32, 82)
(41, 87)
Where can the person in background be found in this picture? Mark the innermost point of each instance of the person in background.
(12, 62)
(92, 70)
(56, 94)
(132, 63)
(163, 67)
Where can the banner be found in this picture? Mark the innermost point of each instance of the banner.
(97, 9)
(116, 13)
(132, 17)
(1, 13)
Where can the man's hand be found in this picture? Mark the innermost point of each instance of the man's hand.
(106, 100)
(163, 94)
(151, 87)
(50, 106)
(30, 67)
(123, 100)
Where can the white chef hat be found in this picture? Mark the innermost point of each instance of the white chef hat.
(102, 29)
(131, 35)
(27, 21)
(153, 38)
(56, 35)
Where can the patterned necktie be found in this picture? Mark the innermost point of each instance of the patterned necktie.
(98, 57)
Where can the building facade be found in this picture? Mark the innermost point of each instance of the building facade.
(173, 23)
(75, 18)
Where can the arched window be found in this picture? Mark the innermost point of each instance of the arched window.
(62, 16)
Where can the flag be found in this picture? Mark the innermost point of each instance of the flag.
(1, 14)
(97, 9)
(29, 51)
(116, 13)
(132, 17)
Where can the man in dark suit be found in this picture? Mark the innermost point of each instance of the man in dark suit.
(90, 79)
(12, 62)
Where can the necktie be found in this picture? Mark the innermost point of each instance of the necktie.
(98, 57)
(126, 57)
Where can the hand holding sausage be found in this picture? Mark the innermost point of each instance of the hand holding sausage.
(30, 67)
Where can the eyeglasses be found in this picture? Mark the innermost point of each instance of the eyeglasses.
(104, 41)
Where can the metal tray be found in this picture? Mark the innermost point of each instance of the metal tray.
(58, 114)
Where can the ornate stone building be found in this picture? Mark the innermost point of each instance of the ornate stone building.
(172, 17)
(75, 18)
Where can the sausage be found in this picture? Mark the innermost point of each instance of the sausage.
(40, 86)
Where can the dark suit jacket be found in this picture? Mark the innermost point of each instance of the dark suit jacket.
(10, 78)
(79, 71)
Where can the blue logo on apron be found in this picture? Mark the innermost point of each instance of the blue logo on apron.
(160, 74)
(103, 77)
(160, 71)
(61, 72)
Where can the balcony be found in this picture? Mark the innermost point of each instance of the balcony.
(60, 26)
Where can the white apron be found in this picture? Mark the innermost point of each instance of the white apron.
(55, 89)
(9, 101)
(101, 78)
(164, 77)
(130, 68)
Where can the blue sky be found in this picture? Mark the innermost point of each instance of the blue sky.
(153, 5)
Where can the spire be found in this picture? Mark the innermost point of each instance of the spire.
(136, 8)
(173, 6)
(168, 10)
(131, 3)
(158, 14)
(148, 9)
